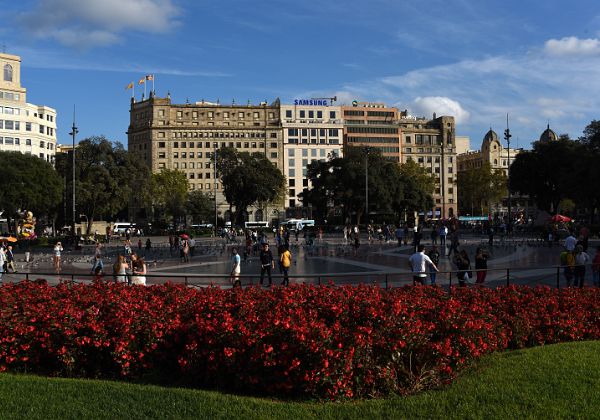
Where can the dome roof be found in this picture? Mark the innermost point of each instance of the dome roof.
(548, 135)
(490, 136)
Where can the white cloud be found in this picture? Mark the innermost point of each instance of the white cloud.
(90, 23)
(572, 46)
(441, 106)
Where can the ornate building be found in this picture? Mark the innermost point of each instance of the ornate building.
(24, 127)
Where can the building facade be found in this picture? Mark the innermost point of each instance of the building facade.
(185, 137)
(372, 125)
(24, 127)
(310, 133)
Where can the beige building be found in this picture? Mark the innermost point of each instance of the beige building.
(310, 133)
(185, 137)
(432, 144)
(491, 151)
(24, 127)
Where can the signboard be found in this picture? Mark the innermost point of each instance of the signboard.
(472, 218)
(318, 102)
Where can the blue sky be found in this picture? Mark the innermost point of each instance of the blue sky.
(539, 61)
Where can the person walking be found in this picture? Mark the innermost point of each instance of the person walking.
(596, 268)
(567, 261)
(192, 244)
(443, 232)
(2, 261)
(454, 242)
(236, 269)
(286, 262)
(120, 269)
(434, 256)
(463, 264)
(481, 258)
(434, 235)
(581, 259)
(58, 248)
(138, 267)
(356, 237)
(418, 263)
(10, 259)
(266, 263)
(185, 248)
(399, 235)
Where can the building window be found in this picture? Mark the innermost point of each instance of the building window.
(273, 155)
(291, 172)
(288, 113)
(27, 142)
(302, 114)
(311, 114)
(8, 73)
(161, 155)
(332, 115)
(408, 139)
(27, 126)
(161, 144)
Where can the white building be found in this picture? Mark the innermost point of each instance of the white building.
(24, 127)
(312, 130)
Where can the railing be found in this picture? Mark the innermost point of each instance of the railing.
(552, 276)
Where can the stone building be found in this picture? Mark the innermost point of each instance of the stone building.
(24, 127)
(185, 137)
(432, 144)
(310, 132)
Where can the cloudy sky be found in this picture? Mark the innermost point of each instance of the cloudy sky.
(536, 60)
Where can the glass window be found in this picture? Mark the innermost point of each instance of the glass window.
(8, 73)
(311, 114)
(302, 114)
(291, 172)
(292, 162)
(288, 113)
(291, 152)
(332, 114)
(304, 152)
(313, 152)
(319, 114)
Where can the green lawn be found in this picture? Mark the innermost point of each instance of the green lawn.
(553, 381)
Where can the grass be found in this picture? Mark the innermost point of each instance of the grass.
(555, 381)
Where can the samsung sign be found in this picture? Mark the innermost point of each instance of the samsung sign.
(320, 102)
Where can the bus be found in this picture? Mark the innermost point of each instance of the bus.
(298, 224)
(256, 225)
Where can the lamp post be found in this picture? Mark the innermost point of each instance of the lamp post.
(73, 132)
(367, 151)
(507, 137)
(215, 191)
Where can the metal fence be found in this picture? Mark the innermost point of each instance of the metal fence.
(552, 276)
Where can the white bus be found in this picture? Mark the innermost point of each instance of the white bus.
(256, 225)
(298, 224)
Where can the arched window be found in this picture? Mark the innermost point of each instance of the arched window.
(495, 161)
(8, 73)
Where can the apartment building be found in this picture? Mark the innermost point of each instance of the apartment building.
(312, 131)
(24, 127)
(185, 137)
(432, 144)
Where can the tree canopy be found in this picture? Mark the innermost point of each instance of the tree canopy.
(479, 188)
(28, 183)
(200, 206)
(341, 182)
(106, 177)
(248, 179)
(169, 191)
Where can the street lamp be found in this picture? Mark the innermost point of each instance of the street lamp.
(73, 132)
(367, 151)
(507, 137)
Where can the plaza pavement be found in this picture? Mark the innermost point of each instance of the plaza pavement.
(524, 260)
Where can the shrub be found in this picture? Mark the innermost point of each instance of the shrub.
(317, 341)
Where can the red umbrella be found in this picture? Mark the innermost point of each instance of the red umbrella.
(184, 236)
(560, 218)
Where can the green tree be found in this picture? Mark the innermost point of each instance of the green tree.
(419, 186)
(107, 177)
(479, 188)
(591, 136)
(169, 191)
(200, 206)
(248, 179)
(548, 173)
(28, 183)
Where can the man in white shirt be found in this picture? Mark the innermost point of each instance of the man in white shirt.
(570, 242)
(418, 264)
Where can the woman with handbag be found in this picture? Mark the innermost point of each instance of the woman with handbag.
(463, 264)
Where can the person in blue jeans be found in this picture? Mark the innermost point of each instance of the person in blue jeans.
(434, 256)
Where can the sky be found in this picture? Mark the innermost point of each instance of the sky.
(537, 61)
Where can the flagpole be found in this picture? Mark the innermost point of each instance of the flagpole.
(144, 87)
(153, 92)
(133, 90)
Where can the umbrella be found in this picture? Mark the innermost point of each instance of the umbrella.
(184, 236)
(560, 218)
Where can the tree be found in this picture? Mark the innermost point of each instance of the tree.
(548, 173)
(479, 188)
(248, 179)
(591, 136)
(200, 206)
(169, 190)
(107, 177)
(28, 183)
(340, 182)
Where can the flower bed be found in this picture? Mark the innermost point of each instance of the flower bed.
(328, 342)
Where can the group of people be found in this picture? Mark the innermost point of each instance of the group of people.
(267, 265)
(7, 259)
(574, 259)
(424, 264)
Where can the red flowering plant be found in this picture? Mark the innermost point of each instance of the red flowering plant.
(323, 341)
